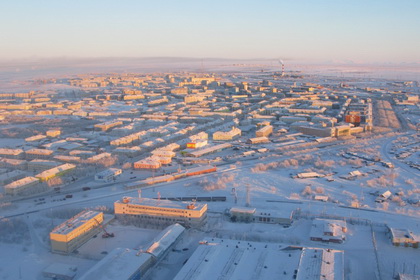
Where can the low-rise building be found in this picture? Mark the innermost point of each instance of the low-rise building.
(160, 212)
(73, 233)
(21, 186)
(120, 263)
(197, 144)
(227, 135)
(258, 140)
(12, 153)
(249, 214)
(11, 176)
(147, 163)
(53, 132)
(13, 163)
(41, 164)
(39, 154)
(265, 131)
(328, 230)
(56, 171)
(108, 175)
(403, 237)
(208, 150)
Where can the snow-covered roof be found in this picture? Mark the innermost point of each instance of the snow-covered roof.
(161, 203)
(164, 240)
(75, 222)
(233, 259)
(242, 210)
(323, 264)
(120, 263)
(60, 270)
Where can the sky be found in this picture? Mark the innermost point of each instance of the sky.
(373, 31)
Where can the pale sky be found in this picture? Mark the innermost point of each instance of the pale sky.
(314, 30)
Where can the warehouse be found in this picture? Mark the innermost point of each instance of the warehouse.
(120, 263)
(233, 259)
(73, 233)
(161, 244)
(160, 212)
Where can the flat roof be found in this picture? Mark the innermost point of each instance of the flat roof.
(162, 203)
(234, 260)
(244, 210)
(120, 263)
(56, 170)
(75, 222)
(22, 182)
(61, 269)
(325, 264)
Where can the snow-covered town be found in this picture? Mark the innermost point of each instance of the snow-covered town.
(241, 172)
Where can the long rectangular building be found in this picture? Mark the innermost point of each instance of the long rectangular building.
(56, 171)
(21, 186)
(160, 212)
(73, 233)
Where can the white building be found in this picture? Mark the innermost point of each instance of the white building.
(108, 175)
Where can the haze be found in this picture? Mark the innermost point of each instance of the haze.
(312, 31)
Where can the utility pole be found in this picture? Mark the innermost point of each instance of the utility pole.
(248, 195)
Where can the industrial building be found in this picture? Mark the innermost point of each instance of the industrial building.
(160, 212)
(73, 233)
(233, 259)
(120, 263)
(129, 264)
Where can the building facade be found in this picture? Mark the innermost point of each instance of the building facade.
(160, 212)
(73, 233)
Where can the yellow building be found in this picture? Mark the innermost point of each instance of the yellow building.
(161, 212)
(73, 233)
(56, 171)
